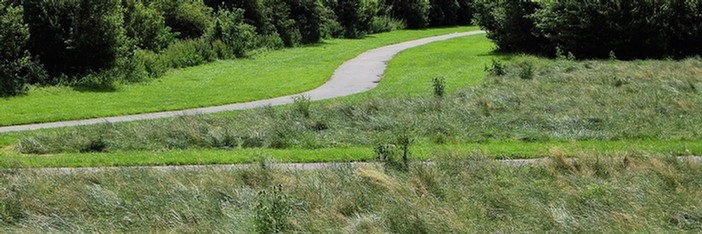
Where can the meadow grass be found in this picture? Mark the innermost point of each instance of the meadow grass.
(459, 193)
(265, 75)
(496, 150)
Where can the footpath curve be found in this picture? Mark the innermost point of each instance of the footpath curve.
(357, 75)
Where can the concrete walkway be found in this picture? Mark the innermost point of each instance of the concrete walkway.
(354, 76)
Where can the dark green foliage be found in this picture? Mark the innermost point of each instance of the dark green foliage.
(75, 36)
(355, 16)
(13, 56)
(414, 12)
(187, 53)
(630, 29)
(443, 12)
(189, 18)
(592, 29)
(464, 16)
(272, 210)
(510, 25)
(439, 84)
(236, 37)
(145, 26)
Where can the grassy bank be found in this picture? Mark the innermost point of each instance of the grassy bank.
(497, 150)
(270, 74)
(458, 194)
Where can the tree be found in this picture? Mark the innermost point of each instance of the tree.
(414, 12)
(13, 56)
(73, 37)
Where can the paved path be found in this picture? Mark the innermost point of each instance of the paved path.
(354, 76)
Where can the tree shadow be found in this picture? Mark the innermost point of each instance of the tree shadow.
(95, 88)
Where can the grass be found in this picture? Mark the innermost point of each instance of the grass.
(496, 149)
(462, 194)
(535, 106)
(270, 74)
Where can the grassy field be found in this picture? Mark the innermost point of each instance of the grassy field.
(266, 75)
(461, 194)
(536, 106)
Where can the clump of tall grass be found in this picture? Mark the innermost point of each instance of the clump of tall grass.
(533, 101)
(458, 193)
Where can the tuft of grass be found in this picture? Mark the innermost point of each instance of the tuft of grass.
(462, 193)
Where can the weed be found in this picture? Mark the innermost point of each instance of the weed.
(272, 210)
(439, 84)
(496, 69)
(302, 105)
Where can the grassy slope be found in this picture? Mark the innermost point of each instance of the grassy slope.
(457, 195)
(267, 75)
(416, 67)
(500, 149)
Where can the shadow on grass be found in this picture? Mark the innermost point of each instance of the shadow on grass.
(95, 88)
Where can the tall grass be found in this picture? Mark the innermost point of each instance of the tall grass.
(533, 101)
(460, 193)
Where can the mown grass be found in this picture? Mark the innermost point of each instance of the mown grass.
(266, 75)
(462, 194)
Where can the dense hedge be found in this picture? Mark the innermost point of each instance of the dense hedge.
(627, 29)
(104, 42)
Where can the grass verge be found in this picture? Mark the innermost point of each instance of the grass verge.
(498, 150)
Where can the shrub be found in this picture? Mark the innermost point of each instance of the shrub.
(145, 26)
(188, 18)
(464, 16)
(593, 29)
(510, 25)
(272, 210)
(386, 23)
(413, 12)
(13, 56)
(443, 12)
(236, 36)
(74, 37)
(439, 84)
(187, 53)
(355, 16)
(141, 66)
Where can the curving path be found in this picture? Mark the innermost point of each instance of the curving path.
(354, 76)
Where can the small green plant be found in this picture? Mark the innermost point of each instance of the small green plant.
(439, 83)
(496, 69)
(302, 105)
(272, 210)
(526, 71)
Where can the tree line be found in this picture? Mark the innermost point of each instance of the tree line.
(101, 42)
(626, 29)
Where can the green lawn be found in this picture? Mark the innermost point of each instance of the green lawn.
(270, 74)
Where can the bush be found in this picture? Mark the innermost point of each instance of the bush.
(13, 56)
(386, 23)
(413, 12)
(296, 21)
(141, 66)
(145, 26)
(465, 12)
(188, 53)
(443, 12)
(355, 16)
(510, 25)
(594, 29)
(236, 36)
(188, 18)
(75, 37)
